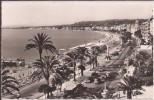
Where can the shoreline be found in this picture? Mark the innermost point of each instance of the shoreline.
(95, 42)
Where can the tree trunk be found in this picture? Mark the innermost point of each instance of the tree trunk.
(81, 72)
(93, 65)
(74, 70)
(139, 64)
(40, 53)
(47, 79)
(129, 94)
(96, 61)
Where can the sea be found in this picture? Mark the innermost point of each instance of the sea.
(14, 41)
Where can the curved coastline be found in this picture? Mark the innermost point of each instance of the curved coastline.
(105, 36)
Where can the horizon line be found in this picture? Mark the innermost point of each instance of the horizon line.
(68, 24)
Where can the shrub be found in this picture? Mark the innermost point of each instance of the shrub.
(94, 74)
(148, 81)
(113, 75)
(137, 93)
(79, 87)
(91, 79)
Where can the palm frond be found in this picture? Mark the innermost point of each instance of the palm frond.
(8, 91)
(82, 67)
(36, 75)
(10, 82)
(30, 46)
(32, 40)
(127, 81)
(5, 72)
(12, 86)
(7, 78)
(50, 47)
(123, 86)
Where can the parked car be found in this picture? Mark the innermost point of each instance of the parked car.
(115, 53)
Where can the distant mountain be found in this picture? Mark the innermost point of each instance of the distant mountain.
(108, 23)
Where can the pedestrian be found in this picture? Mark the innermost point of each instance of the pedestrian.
(118, 94)
(18, 95)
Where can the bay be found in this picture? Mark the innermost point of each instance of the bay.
(15, 40)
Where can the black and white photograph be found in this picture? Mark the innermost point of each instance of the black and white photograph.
(77, 50)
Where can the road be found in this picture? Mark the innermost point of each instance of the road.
(121, 58)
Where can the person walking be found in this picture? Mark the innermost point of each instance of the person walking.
(18, 95)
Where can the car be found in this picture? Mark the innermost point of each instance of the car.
(14, 71)
(90, 79)
(115, 53)
(94, 74)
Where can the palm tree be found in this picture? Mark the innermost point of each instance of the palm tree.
(82, 68)
(72, 59)
(41, 42)
(129, 84)
(45, 67)
(138, 34)
(82, 55)
(130, 62)
(138, 60)
(103, 48)
(8, 83)
(91, 61)
(95, 51)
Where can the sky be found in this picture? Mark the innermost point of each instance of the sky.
(41, 13)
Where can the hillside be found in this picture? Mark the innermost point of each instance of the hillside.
(107, 23)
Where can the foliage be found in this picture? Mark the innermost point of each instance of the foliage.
(41, 42)
(130, 83)
(79, 92)
(112, 75)
(44, 68)
(125, 36)
(71, 58)
(8, 83)
(103, 48)
(46, 88)
(82, 53)
(150, 39)
(130, 62)
(148, 81)
(107, 23)
(95, 51)
(137, 93)
(144, 63)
